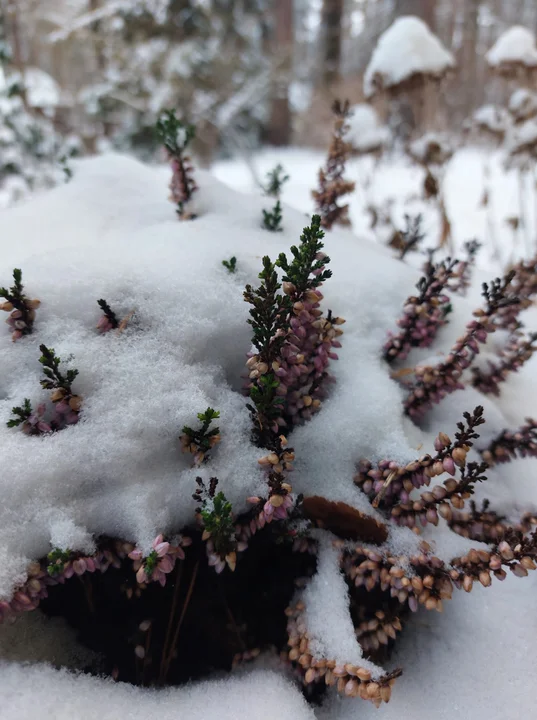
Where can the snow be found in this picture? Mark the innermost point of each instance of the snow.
(327, 616)
(111, 233)
(493, 118)
(524, 138)
(365, 133)
(515, 45)
(43, 692)
(523, 104)
(405, 49)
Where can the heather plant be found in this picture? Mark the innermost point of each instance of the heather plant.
(423, 314)
(276, 179)
(108, 320)
(235, 579)
(519, 350)
(21, 308)
(66, 403)
(231, 264)
(199, 442)
(409, 239)
(176, 136)
(332, 183)
(463, 272)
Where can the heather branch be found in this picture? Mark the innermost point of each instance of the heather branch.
(390, 483)
(518, 351)
(432, 384)
(109, 320)
(199, 442)
(463, 273)
(510, 445)
(276, 179)
(424, 314)
(332, 184)
(410, 239)
(21, 308)
(176, 135)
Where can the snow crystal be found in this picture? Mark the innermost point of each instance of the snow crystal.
(407, 48)
(516, 45)
(37, 692)
(365, 132)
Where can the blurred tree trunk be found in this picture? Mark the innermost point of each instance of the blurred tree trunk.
(424, 9)
(331, 21)
(279, 129)
(468, 57)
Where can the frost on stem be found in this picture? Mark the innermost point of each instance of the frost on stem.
(276, 179)
(432, 384)
(176, 135)
(108, 320)
(332, 184)
(288, 373)
(424, 314)
(519, 350)
(21, 308)
(512, 444)
(199, 442)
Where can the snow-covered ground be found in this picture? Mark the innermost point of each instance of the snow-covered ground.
(394, 186)
(111, 233)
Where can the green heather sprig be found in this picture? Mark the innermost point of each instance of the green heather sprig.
(231, 264)
(108, 320)
(216, 515)
(276, 179)
(308, 261)
(21, 308)
(199, 442)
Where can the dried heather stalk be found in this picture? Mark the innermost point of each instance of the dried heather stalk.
(332, 184)
(423, 315)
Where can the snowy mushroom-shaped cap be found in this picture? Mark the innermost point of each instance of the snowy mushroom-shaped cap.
(515, 48)
(431, 149)
(492, 119)
(407, 51)
(523, 105)
(365, 133)
(522, 143)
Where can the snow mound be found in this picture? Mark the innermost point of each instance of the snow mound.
(112, 234)
(405, 49)
(493, 119)
(365, 133)
(39, 692)
(523, 104)
(514, 46)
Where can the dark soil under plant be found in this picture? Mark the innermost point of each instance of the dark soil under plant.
(222, 615)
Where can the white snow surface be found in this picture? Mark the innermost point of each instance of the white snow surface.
(112, 233)
(36, 693)
(365, 131)
(515, 45)
(406, 48)
(327, 614)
